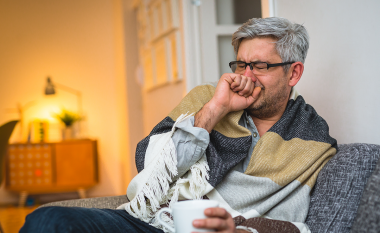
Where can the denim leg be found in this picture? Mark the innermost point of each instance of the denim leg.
(84, 220)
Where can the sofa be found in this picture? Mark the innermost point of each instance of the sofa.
(345, 198)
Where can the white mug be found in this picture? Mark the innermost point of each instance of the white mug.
(184, 213)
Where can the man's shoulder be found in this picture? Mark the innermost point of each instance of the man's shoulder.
(201, 93)
(206, 88)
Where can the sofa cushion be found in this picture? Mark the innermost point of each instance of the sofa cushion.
(337, 193)
(95, 202)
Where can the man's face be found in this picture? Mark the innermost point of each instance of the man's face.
(275, 90)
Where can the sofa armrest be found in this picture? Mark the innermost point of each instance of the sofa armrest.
(98, 202)
(336, 196)
(368, 216)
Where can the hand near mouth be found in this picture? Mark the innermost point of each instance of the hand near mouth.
(234, 92)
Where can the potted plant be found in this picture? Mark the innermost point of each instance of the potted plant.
(68, 118)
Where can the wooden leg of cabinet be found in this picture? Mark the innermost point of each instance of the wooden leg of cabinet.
(22, 199)
(82, 193)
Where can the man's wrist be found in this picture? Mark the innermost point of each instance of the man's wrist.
(209, 116)
(217, 109)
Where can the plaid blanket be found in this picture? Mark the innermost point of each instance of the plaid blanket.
(271, 195)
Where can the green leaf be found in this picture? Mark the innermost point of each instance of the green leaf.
(67, 117)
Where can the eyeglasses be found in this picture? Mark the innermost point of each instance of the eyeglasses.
(262, 67)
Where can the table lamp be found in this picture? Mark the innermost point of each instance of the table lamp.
(50, 90)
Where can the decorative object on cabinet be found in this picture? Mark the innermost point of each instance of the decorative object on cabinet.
(38, 131)
(68, 118)
(51, 167)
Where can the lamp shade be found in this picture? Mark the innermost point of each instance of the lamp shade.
(49, 89)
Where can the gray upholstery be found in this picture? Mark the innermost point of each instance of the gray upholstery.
(97, 202)
(334, 200)
(368, 217)
(340, 184)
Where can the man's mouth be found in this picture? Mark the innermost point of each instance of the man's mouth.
(262, 87)
(258, 84)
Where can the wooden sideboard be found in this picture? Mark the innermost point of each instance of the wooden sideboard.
(51, 167)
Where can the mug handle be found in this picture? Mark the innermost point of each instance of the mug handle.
(160, 212)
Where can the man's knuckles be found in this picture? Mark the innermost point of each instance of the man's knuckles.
(215, 223)
(216, 212)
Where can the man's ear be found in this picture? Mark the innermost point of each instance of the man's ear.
(295, 73)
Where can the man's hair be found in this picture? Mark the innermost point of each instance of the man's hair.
(292, 39)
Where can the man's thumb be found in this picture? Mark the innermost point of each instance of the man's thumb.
(255, 93)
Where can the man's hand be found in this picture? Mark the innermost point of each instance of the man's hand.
(218, 219)
(234, 92)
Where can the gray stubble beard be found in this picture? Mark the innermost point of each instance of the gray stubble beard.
(268, 107)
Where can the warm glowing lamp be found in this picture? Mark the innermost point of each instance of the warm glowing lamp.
(50, 90)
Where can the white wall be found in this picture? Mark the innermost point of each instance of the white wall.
(341, 78)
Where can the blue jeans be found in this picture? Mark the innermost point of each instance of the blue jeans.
(80, 220)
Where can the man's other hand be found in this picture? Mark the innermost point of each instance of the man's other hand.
(218, 219)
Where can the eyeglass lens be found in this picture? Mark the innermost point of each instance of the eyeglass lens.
(240, 67)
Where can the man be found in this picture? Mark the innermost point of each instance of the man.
(253, 145)
(262, 145)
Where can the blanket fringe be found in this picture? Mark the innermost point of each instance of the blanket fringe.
(199, 173)
(154, 192)
(157, 189)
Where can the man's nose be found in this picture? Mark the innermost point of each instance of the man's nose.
(249, 73)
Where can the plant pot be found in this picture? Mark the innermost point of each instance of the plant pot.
(67, 133)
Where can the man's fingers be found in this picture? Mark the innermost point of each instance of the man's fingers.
(252, 88)
(247, 91)
(254, 96)
(217, 212)
(211, 223)
(240, 84)
(217, 218)
(236, 82)
(243, 84)
(256, 92)
(229, 79)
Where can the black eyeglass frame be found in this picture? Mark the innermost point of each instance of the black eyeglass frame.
(250, 64)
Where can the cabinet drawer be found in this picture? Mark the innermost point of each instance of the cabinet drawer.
(29, 165)
(75, 163)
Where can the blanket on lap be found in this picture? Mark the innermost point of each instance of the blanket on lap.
(272, 194)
